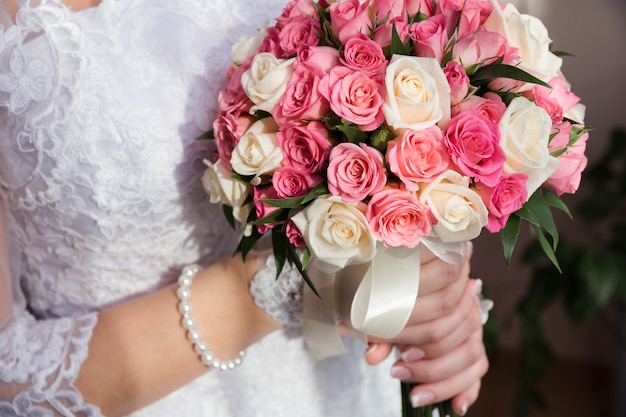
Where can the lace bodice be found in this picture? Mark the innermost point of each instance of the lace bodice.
(99, 175)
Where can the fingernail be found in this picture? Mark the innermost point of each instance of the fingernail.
(400, 372)
(412, 355)
(478, 286)
(464, 409)
(422, 398)
(470, 248)
(371, 348)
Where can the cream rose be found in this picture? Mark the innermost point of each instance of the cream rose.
(530, 36)
(524, 135)
(418, 93)
(222, 188)
(459, 210)
(266, 80)
(258, 152)
(336, 232)
(246, 46)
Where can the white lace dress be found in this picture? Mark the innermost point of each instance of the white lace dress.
(99, 177)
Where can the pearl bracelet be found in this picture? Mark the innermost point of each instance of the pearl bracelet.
(188, 323)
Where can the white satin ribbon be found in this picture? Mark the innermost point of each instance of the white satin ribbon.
(374, 298)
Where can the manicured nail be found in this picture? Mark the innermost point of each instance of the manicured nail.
(478, 286)
(464, 409)
(470, 248)
(412, 355)
(422, 398)
(371, 348)
(400, 372)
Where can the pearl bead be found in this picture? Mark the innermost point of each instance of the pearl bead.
(193, 336)
(201, 348)
(184, 307)
(183, 293)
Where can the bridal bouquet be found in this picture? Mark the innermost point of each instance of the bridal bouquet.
(352, 127)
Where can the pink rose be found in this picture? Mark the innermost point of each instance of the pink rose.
(458, 80)
(508, 196)
(299, 32)
(566, 179)
(294, 235)
(560, 136)
(430, 37)
(271, 43)
(228, 129)
(382, 34)
(324, 57)
(386, 9)
(474, 145)
(557, 100)
(232, 99)
(363, 54)
(355, 96)
(350, 17)
(413, 7)
(464, 15)
(263, 209)
(302, 100)
(305, 147)
(291, 182)
(355, 171)
(482, 47)
(417, 156)
(398, 218)
(489, 105)
(296, 8)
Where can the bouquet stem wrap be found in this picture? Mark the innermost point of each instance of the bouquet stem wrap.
(375, 298)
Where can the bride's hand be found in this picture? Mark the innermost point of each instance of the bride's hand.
(441, 347)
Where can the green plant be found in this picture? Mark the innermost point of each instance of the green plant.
(592, 268)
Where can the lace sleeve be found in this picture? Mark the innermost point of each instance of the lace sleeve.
(280, 297)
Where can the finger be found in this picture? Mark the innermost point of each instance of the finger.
(377, 352)
(437, 274)
(463, 401)
(432, 392)
(443, 367)
(458, 329)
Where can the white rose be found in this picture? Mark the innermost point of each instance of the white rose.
(222, 188)
(246, 46)
(418, 93)
(266, 80)
(459, 210)
(530, 36)
(336, 232)
(524, 135)
(258, 152)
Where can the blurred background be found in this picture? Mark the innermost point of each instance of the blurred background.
(558, 340)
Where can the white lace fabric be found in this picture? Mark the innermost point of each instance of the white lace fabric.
(99, 177)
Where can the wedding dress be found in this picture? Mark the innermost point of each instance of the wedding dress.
(99, 177)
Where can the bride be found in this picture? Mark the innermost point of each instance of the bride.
(102, 208)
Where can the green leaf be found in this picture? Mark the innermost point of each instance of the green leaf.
(491, 71)
(554, 201)
(547, 248)
(247, 243)
(509, 235)
(295, 259)
(297, 202)
(275, 217)
(228, 213)
(537, 212)
(206, 136)
(397, 46)
(353, 133)
(380, 138)
(279, 244)
(318, 191)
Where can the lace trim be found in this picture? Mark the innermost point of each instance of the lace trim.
(281, 298)
(39, 361)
